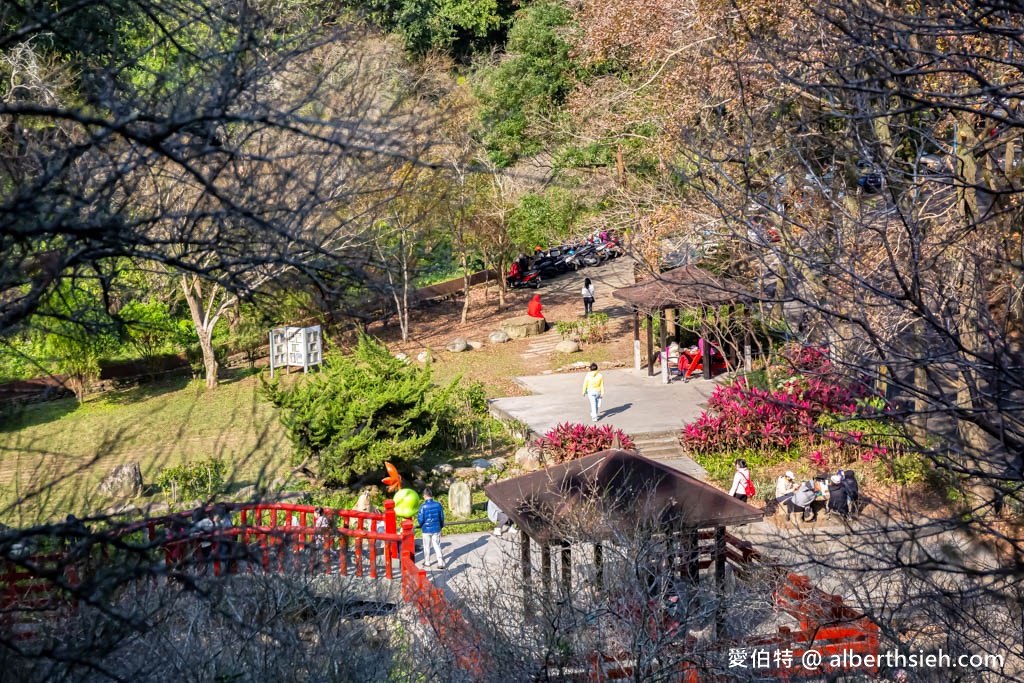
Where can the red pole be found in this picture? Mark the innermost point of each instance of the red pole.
(408, 542)
(390, 527)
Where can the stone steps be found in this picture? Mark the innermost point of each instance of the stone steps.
(543, 344)
(666, 449)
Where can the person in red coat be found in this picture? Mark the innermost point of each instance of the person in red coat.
(535, 307)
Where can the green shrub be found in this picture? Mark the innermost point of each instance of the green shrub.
(362, 410)
(200, 480)
(901, 469)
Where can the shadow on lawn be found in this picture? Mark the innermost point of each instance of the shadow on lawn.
(15, 417)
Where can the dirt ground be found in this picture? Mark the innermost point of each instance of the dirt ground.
(434, 325)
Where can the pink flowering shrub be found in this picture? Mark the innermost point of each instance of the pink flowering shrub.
(570, 441)
(746, 417)
(832, 423)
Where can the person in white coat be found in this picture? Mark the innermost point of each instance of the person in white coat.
(739, 480)
(587, 292)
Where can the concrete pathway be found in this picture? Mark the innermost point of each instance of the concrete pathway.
(634, 402)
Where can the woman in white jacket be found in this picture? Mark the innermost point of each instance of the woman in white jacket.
(588, 297)
(739, 480)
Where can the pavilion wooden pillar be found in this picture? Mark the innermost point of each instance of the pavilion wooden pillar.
(706, 360)
(748, 340)
(691, 545)
(671, 317)
(636, 338)
(545, 569)
(662, 324)
(566, 570)
(719, 553)
(650, 345)
(524, 562)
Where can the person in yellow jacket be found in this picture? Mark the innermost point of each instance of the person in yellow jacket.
(593, 389)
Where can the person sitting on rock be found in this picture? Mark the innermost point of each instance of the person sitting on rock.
(535, 307)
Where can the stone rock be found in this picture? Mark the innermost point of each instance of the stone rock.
(247, 493)
(528, 459)
(456, 345)
(493, 478)
(285, 496)
(402, 357)
(278, 484)
(154, 509)
(482, 464)
(567, 346)
(124, 481)
(523, 326)
(424, 356)
(460, 500)
(126, 509)
(475, 345)
(499, 463)
(443, 468)
(498, 337)
(465, 472)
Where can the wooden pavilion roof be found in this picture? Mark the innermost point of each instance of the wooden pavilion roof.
(611, 492)
(685, 287)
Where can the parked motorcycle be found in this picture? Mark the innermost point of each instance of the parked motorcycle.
(530, 278)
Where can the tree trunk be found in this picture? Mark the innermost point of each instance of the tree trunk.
(210, 365)
(205, 317)
(465, 282)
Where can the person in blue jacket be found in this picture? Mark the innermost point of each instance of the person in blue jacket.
(431, 519)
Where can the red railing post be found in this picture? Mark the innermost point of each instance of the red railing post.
(358, 540)
(390, 527)
(408, 542)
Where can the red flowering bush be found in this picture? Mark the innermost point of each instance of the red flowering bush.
(570, 441)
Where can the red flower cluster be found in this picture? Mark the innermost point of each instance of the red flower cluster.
(570, 441)
(748, 417)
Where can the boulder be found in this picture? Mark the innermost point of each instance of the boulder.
(499, 463)
(424, 356)
(402, 357)
(247, 493)
(528, 458)
(482, 464)
(498, 337)
(460, 500)
(465, 472)
(523, 326)
(456, 345)
(567, 346)
(443, 468)
(475, 345)
(124, 481)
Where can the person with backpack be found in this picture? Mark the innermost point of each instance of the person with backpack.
(588, 297)
(742, 486)
(837, 498)
(803, 500)
(593, 391)
(852, 489)
(431, 519)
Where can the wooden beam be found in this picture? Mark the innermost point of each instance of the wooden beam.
(566, 570)
(545, 569)
(636, 338)
(663, 325)
(707, 359)
(691, 540)
(720, 581)
(650, 345)
(524, 561)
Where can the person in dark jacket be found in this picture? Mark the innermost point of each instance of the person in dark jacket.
(431, 519)
(837, 497)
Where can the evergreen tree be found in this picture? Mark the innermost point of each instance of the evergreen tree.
(362, 410)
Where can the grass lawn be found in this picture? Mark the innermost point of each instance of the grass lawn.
(54, 454)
